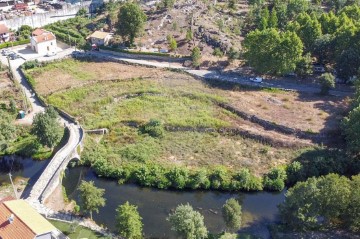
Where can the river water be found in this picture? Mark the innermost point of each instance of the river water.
(154, 205)
(259, 209)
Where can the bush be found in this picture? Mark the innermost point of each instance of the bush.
(220, 178)
(199, 179)
(217, 52)
(154, 128)
(30, 64)
(14, 43)
(327, 81)
(178, 177)
(275, 180)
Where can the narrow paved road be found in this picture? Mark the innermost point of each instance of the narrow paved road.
(229, 77)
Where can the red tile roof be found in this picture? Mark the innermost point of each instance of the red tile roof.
(3, 29)
(17, 229)
(46, 36)
(38, 31)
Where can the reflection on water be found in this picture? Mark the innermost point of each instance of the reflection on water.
(19, 167)
(155, 205)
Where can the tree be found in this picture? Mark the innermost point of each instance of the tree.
(232, 4)
(7, 128)
(128, 221)
(168, 4)
(47, 128)
(309, 30)
(189, 35)
(82, 12)
(327, 81)
(317, 202)
(351, 126)
(172, 42)
(91, 197)
(270, 51)
(131, 21)
(304, 66)
(353, 211)
(196, 56)
(231, 212)
(187, 223)
(273, 20)
(227, 235)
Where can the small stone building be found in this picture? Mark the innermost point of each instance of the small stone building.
(43, 42)
(100, 38)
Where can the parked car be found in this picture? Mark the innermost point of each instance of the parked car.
(13, 56)
(256, 79)
(5, 52)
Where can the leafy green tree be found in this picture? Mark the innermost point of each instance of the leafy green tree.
(196, 56)
(351, 126)
(47, 128)
(81, 13)
(275, 179)
(168, 4)
(270, 51)
(304, 66)
(309, 30)
(7, 128)
(189, 35)
(273, 20)
(327, 81)
(231, 212)
(187, 223)
(131, 21)
(128, 221)
(323, 49)
(91, 197)
(227, 235)
(353, 211)
(316, 202)
(172, 43)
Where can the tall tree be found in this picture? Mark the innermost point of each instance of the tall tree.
(187, 223)
(231, 212)
(196, 56)
(128, 221)
(47, 128)
(131, 21)
(351, 125)
(273, 52)
(91, 197)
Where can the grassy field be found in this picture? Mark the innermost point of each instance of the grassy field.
(123, 97)
(79, 233)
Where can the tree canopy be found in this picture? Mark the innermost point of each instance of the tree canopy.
(187, 223)
(231, 212)
(128, 221)
(131, 21)
(47, 128)
(91, 197)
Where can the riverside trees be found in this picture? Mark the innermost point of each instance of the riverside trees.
(91, 197)
(47, 128)
(128, 221)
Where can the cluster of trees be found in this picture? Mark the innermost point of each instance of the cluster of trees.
(8, 131)
(324, 202)
(284, 35)
(185, 221)
(46, 128)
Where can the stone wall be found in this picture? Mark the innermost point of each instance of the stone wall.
(42, 19)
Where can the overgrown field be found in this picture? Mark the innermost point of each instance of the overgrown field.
(157, 118)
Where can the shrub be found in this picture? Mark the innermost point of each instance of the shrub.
(217, 52)
(220, 179)
(327, 81)
(178, 177)
(275, 180)
(244, 180)
(154, 128)
(199, 179)
(30, 64)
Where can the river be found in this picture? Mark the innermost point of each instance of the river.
(154, 205)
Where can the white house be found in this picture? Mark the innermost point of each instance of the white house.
(43, 42)
(100, 38)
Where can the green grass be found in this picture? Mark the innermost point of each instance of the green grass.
(80, 232)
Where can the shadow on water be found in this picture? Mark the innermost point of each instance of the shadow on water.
(21, 167)
(155, 205)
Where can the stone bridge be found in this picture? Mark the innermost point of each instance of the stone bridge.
(51, 176)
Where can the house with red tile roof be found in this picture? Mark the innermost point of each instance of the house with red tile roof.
(18, 220)
(43, 42)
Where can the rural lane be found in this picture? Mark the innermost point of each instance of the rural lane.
(229, 77)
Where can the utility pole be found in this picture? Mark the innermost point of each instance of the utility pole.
(13, 186)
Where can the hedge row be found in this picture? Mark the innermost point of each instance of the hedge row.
(14, 43)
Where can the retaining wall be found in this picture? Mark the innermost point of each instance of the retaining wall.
(42, 19)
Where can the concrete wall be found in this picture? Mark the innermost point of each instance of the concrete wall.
(41, 19)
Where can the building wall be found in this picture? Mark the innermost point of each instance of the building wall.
(44, 47)
(41, 19)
